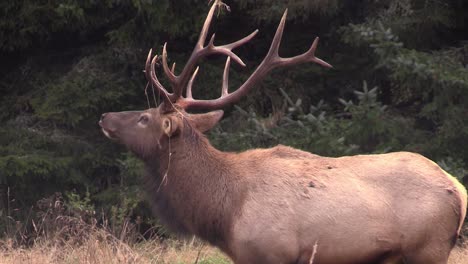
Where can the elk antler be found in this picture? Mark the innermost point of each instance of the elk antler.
(179, 82)
(272, 60)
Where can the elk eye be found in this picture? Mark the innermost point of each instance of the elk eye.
(143, 119)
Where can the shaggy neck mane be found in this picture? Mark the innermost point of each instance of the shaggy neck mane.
(195, 194)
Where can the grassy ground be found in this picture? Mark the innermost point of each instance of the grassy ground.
(101, 248)
(96, 250)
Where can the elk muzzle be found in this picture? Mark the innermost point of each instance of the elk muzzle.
(106, 125)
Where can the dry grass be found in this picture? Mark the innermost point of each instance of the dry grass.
(62, 235)
(100, 248)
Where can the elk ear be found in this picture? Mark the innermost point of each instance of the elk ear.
(169, 126)
(205, 122)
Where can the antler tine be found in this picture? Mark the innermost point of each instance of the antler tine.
(148, 66)
(190, 83)
(223, 50)
(170, 75)
(240, 42)
(271, 61)
(151, 75)
(274, 48)
(206, 27)
(227, 49)
(224, 90)
(308, 56)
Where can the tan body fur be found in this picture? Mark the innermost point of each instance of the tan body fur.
(360, 209)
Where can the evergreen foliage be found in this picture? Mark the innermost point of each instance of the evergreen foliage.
(400, 82)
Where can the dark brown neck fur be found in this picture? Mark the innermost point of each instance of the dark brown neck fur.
(199, 195)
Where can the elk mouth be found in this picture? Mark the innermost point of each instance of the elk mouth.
(107, 132)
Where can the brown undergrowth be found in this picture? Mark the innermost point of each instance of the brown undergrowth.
(100, 248)
(59, 233)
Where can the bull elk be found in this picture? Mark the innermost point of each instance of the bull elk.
(278, 205)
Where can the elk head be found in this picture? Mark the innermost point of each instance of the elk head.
(144, 132)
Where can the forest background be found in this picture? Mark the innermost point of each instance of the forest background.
(399, 82)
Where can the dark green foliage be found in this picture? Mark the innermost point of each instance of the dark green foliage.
(362, 127)
(268, 10)
(400, 82)
(434, 83)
